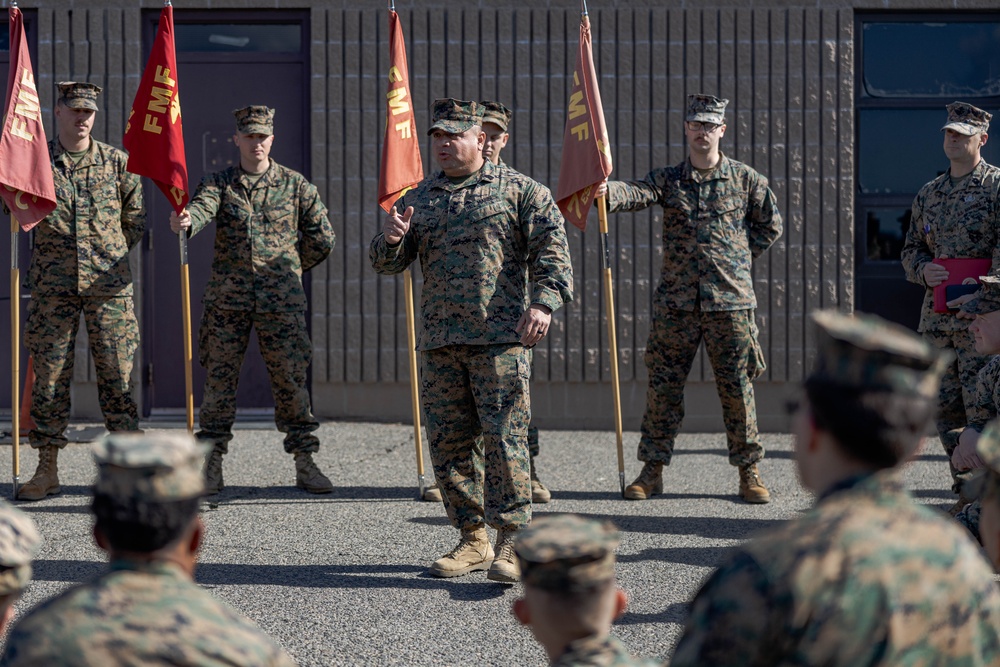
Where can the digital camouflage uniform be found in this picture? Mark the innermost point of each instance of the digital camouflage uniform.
(714, 226)
(268, 233)
(145, 611)
(476, 241)
(955, 220)
(867, 576)
(574, 555)
(19, 542)
(80, 264)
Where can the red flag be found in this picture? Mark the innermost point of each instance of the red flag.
(154, 135)
(401, 167)
(25, 171)
(586, 158)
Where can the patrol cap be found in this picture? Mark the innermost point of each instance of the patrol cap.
(77, 95)
(19, 541)
(254, 119)
(868, 353)
(455, 116)
(496, 113)
(707, 109)
(988, 297)
(566, 553)
(149, 467)
(986, 480)
(967, 119)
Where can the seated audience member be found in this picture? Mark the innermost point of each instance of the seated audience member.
(570, 593)
(867, 576)
(145, 610)
(19, 542)
(985, 487)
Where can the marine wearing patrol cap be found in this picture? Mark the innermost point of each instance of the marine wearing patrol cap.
(872, 354)
(706, 109)
(988, 297)
(254, 119)
(19, 541)
(77, 95)
(566, 553)
(455, 116)
(149, 467)
(496, 113)
(967, 119)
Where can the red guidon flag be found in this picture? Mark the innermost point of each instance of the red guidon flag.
(401, 167)
(154, 135)
(25, 171)
(586, 158)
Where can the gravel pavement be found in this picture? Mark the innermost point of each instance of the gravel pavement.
(340, 579)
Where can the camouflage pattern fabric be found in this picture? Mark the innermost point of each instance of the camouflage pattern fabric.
(567, 553)
(287, 352)
(952, 220)
(254, 119)
(713, 227)
(149, 468)
(267, 234)
(731, 341)
(957, 400)
(476, 409)
(987, 396)
(79, 95)
(19, 542)
(151, 615)
(967, 119)
(476, 240)
(968, 516)
(50, 335)
(706, 109)
(600, 652)
(867, 577)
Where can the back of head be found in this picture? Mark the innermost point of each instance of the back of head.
(874, 386)
(148, 489)
(19, 541)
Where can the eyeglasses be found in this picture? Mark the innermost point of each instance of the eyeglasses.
(698, 126)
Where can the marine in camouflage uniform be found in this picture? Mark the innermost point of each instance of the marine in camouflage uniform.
(718, 216)
(19, 542)
(957, 215)
(868, 576)
(146, 610)
(271, 227)
(568, 571)
(80, 265)
(477, 229)
(985, 488)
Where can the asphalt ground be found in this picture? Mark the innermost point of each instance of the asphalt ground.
(340, 579)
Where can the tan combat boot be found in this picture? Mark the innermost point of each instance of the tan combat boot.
(432, 494)
(213, 473)
(539, 494)
(472, 553)
(308, 476)
(648, 483)
(505, 567)
(752, 487)
(45, 482)
(959, 505)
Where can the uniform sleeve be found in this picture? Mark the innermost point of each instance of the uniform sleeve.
(763, 219)
(133, 216)
(204, 205)
(388, 259)
(730, 620)
(636, 195)
(317, 240)
(916, 253)
(548, 249)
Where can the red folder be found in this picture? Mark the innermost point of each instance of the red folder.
(958, 270)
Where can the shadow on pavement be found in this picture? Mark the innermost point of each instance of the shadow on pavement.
(675, 612)
(697, 556)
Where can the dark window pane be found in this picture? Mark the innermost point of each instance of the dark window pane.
(885, 231)
(931, 59)
(4, 37)
(243, 38)
(901, 149)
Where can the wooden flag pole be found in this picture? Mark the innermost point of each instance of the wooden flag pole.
(186, 307)
(609, 298)
(15, 356)
(411, 339)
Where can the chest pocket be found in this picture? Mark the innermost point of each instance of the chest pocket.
(280, 220)
(493, 224)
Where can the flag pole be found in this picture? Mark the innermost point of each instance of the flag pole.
(186, 307)
(15, 353)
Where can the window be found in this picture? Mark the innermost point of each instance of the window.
(241, 38)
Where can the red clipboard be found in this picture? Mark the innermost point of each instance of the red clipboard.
(958, 270)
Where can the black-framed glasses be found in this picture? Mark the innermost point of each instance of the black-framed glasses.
(698, 126)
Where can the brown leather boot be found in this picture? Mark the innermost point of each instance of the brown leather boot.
(213, 473)
(432, 494)
(539, 494)
(472, 553)
(752, 487)
(45, 481)
(308, 476)
(505, 567)
(648, 483)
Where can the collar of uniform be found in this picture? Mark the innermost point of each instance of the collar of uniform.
(158, 567)
(721, 172)
(487, 174)
(57, 150)
(880, 482)
(267, 178)
(974, 178)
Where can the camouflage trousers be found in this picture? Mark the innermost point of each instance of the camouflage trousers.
(287, 351)
(50, 335)
(957, 397)
(731, 341)
(476, 407)
(968, 516)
